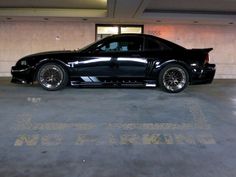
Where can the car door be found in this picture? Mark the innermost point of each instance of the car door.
(130, 60)
(119, 56)
(94, 61)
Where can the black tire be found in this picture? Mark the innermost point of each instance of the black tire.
(173, 78)
(52, 76)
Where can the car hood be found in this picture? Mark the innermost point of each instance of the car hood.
(52, 53)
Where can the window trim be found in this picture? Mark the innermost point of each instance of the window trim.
(110, 40)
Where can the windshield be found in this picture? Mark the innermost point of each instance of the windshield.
(90, 45)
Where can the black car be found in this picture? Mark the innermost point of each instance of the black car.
(119, 60)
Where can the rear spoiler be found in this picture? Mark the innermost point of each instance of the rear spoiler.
(206, 50)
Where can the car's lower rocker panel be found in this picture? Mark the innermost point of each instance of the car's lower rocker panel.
(112, 84)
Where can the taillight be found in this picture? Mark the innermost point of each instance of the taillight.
(207, 59)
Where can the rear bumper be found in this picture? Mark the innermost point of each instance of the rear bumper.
(206, 75)
(21, 74)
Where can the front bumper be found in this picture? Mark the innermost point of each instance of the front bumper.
(22, 74)
(206, 75)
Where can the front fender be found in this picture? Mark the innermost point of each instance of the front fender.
(49, 60)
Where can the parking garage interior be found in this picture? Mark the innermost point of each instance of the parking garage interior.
(113, 132)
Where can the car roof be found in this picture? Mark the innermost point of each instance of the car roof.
(169, 43)
(131, 34)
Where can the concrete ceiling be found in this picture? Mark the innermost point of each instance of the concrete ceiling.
(74, 4)
(122, 11)
(193, 5)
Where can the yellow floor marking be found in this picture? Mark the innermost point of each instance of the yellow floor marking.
(130, 139)
(51, 140)
(27, 124)
(86, 139)
(199, 119)
(199, 122)
(149, 126)
(28, 140)
(184, 139)
(157, 139)
(205, 139)
(122, 139)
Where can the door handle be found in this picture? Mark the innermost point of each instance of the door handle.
(114, 64)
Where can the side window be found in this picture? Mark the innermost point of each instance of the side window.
(130, 44)
(152, 45)
(124, 44)
(110, 47)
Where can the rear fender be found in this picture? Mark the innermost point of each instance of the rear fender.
(159, 67)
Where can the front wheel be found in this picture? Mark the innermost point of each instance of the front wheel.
(173, 78)
(52, 76)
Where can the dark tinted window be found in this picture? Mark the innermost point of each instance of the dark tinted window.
(153, 44)
(122, 44)
(110, 47)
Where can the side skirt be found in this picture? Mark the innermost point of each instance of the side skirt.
(86, 81)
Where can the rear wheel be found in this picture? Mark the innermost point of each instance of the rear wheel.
(173, 78)
(52, 76)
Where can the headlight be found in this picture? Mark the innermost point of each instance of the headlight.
(23, 62)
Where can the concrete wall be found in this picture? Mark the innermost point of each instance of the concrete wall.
(221, 38)
(18, 39)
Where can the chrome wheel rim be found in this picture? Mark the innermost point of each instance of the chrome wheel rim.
(51, 76)
(174, 79)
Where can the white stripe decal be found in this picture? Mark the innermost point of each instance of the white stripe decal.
(86, 79)
(94, 79)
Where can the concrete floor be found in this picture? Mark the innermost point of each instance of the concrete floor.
(118, 132)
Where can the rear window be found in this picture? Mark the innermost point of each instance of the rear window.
(155, 45)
